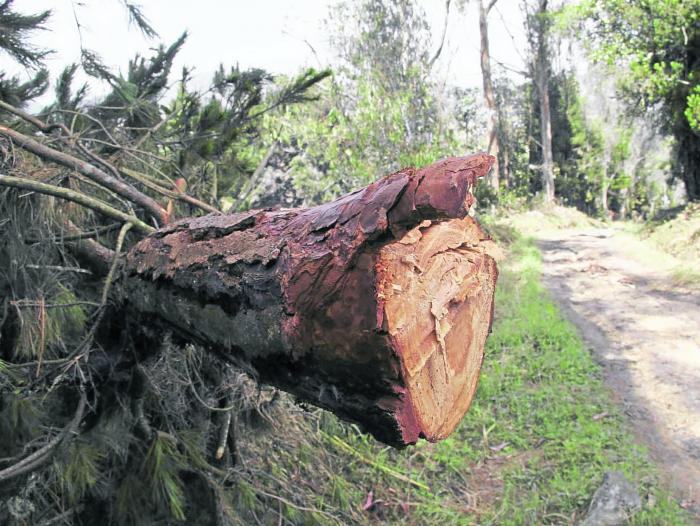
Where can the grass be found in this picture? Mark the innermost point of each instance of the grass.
(679, 235)
(540, 435)
(544, 217)
(673, 238)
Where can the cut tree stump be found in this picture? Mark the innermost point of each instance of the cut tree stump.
(375, 306)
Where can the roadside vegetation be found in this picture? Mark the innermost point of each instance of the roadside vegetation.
(678, 234)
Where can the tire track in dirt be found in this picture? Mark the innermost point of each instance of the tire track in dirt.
(646, 335)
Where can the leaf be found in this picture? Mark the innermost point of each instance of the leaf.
(499, 447)
(369, 501)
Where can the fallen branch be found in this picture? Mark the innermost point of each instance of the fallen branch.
(43, 455)
(76, 197)
(179, 196)
(112, 270)
(88, 170)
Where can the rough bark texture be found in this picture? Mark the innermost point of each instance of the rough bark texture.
(375, 306)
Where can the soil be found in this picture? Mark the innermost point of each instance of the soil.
(645, 332)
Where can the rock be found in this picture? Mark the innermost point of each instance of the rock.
(613, 503)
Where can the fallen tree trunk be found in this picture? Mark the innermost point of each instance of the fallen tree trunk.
(375, 306)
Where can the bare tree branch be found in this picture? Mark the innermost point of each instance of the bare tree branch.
(76, 197)
(99, 176)
(179, 196)
(444, 32)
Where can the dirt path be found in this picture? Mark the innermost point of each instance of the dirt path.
(646, 334)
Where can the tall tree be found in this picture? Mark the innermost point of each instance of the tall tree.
(382, 111)
(537, 24)
(493, 146)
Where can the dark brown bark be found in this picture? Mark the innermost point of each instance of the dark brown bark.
(375, 306)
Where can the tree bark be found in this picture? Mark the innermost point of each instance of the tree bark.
(542, 84)
(375, 306)
(493, 146)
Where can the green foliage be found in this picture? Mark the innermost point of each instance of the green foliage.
(580, 184)
(155, 489)
(161, 470)
(15, 33)
(15, 40)
(215, 139)
(18, 93)
(79, 470)
(136, 95)
(65, 98)
(692, 112)
(42, 330)
(379, 114)
(656, 45)
(20, 418)
(636, 32)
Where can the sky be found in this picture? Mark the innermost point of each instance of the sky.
(275, 35)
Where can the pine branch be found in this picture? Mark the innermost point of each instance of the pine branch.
(142, 178)
(14, 33)
(95, 174)
(43, 455)
(137, 17)
(76, 197)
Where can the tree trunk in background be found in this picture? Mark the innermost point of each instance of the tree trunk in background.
(688, 155)
(375, 306)
(542, 85)
(506, 167)
(489, 96)
(604, 195)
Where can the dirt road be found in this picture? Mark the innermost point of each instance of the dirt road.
(646, 334)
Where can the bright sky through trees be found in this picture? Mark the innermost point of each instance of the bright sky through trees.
(273, 34)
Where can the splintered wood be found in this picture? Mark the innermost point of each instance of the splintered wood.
(437, 286)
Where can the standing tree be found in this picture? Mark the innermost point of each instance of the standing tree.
(489, 95)
(382, 110)
(656, 44)
(537, 23)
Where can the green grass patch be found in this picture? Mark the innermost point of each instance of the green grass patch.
(678, 235)
(533, 448)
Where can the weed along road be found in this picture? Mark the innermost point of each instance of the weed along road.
(646, 334)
